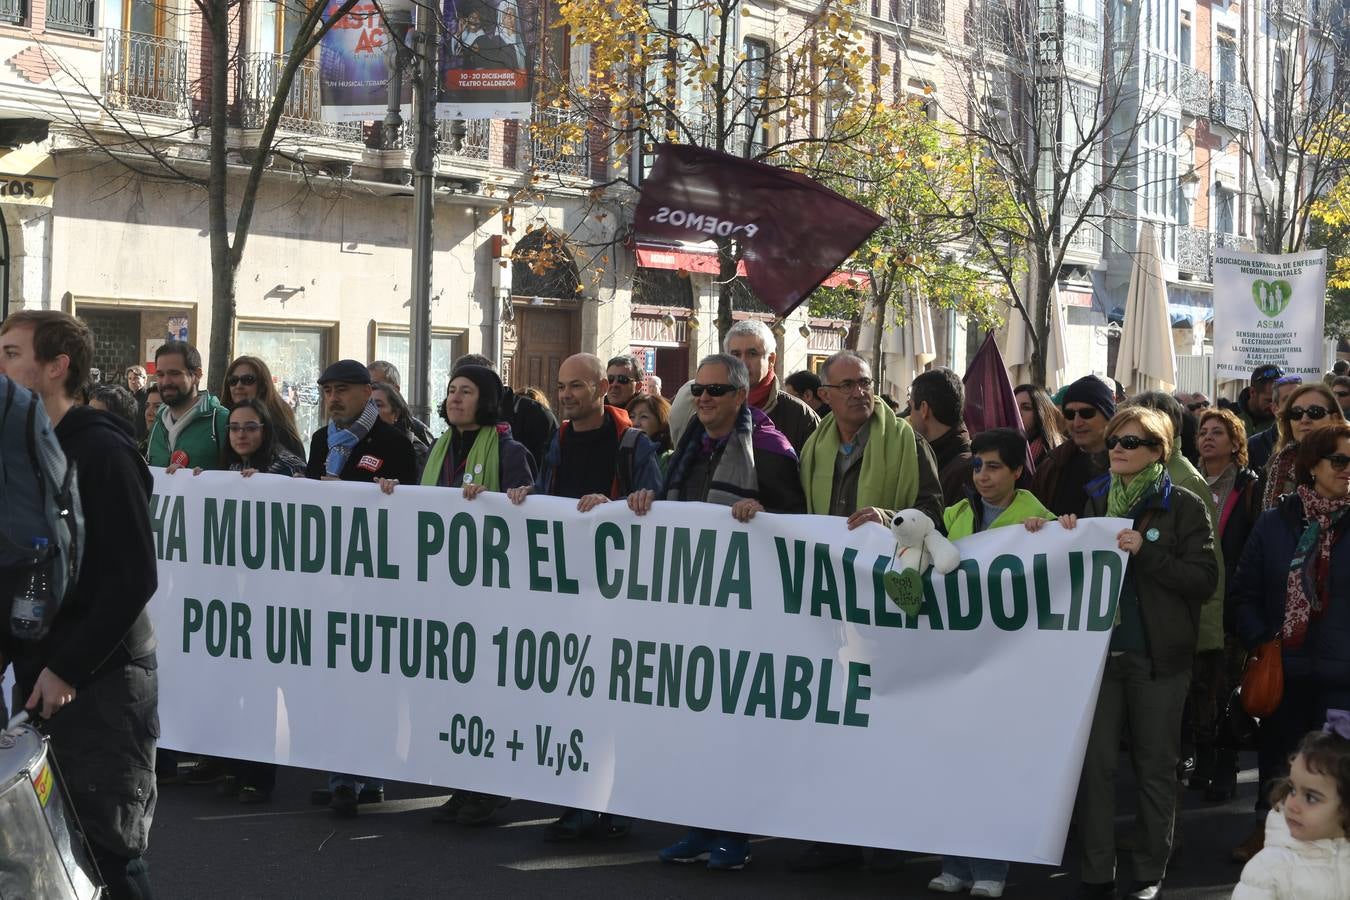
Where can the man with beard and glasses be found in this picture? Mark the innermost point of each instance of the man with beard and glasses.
(191, 428)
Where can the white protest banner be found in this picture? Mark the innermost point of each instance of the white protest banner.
(678, 667)
(1269, 309)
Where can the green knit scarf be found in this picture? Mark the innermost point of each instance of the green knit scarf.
(1124, 498)
(482, 467)
(890, 468)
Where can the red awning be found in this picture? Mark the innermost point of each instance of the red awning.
(664, 256)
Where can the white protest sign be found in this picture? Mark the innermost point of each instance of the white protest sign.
(1269, 309)
(679, 667)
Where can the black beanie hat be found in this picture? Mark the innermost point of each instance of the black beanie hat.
(489, 392)
(1093, 391)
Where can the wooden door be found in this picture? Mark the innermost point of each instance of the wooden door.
(546, 338)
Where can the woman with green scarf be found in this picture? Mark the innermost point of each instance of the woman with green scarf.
(476, 454)
(1171, 570)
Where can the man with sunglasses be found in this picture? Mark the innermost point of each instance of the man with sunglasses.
(1063, 476)
(190, 430)
(1262, 444)
(731, 454)
(624, 375)
(1255, 404)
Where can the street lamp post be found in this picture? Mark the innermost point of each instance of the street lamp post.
(425, 45)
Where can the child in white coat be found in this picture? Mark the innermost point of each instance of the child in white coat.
(1307, 856)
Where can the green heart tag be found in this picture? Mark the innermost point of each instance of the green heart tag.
(1271, 297)
(906, 589)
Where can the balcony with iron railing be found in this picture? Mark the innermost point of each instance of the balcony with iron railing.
(930, 16)
(989, 26)
(144, 73)
(259, 79)
(1230, 105)
(73, 16)
(464, 138)
(1193, 91)
(559, 143)
(1196, 246)
(12, 11)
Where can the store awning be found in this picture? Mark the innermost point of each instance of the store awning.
(704, 259)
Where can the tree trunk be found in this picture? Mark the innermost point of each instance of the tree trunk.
(224, 262)
(878, 369)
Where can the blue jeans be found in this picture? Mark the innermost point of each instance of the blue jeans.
(970, 869)
(357, 783)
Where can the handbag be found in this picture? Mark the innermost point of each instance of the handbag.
(1263, 680)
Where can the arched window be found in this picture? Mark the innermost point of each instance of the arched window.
(542, 266)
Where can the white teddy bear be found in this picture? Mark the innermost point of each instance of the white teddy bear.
(916, 541)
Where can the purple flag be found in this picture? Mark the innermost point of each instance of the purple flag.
(793, 231)
(990, 401)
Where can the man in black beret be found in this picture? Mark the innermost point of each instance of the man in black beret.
(355, 445)
(1062, 477)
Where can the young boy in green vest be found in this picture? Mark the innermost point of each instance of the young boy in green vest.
(997, 459)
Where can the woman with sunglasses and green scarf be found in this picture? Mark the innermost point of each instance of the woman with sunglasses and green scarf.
(1171, 571)
(1308, 407)
(1293, 583)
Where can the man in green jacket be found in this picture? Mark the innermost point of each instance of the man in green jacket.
(192, 426)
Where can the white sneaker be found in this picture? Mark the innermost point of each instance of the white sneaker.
(946, 883)
(987, 889)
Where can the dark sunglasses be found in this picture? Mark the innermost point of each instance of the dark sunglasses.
(1315, 413)
(246, 380)
(1088, 413)
(620, 379)
(1196, 407)
(714, 390)
(1130, 442)
(1338, 461)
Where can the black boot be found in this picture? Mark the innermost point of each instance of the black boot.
(1223, 778)
(1204, 767)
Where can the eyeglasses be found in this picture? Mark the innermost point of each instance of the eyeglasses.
(714, 390)
(1089, 412)
(1338, 461)
(1315, 413)
(1130, 442)
(849, 385)
(244, 427)
(248, 380)
(1196, 407)
(621, 379)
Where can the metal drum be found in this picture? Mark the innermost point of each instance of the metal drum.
(42, 856)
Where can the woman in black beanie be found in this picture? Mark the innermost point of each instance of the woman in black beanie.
(477, 453)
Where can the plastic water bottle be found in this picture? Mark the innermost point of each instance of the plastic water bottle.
(33, 601)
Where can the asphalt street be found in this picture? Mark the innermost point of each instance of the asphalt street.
(207, 846)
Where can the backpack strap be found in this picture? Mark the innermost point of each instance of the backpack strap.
(624, 464)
